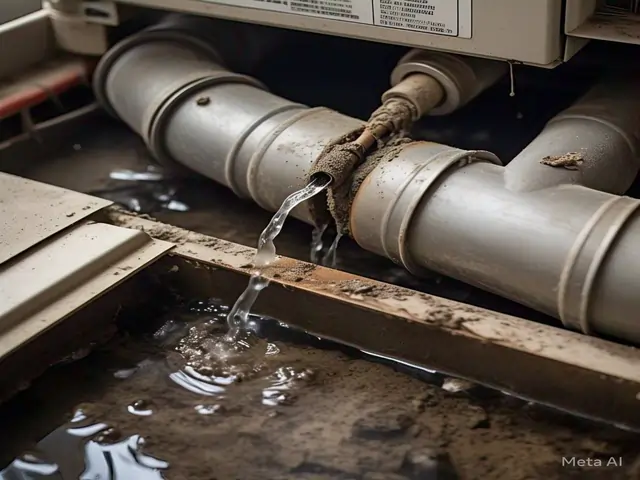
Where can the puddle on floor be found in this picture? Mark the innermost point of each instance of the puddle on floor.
(283, 404)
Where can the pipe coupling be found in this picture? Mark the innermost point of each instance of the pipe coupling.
(384, 206)
(462, 78)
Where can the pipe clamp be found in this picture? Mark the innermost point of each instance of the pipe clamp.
(397, 220)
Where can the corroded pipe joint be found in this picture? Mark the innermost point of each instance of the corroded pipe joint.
(338, 162)
(461, 78)
(395, 115)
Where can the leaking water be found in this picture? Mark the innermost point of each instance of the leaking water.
(316, 242)
(266, 255)
(331, 257)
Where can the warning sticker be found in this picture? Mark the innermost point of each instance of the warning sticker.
(439, 17)
(358, 11)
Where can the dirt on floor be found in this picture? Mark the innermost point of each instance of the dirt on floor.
(294, 407)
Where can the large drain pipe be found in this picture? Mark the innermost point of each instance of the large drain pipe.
(564, 249)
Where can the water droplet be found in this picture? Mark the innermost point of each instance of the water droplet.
(208, 409)
(141, 408)
(272, 349)
(316, 242)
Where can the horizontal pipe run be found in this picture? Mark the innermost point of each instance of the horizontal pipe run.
(563, 249)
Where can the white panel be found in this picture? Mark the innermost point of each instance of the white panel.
(439, 17)
(527, 31)
(32, 211)
(62, 274)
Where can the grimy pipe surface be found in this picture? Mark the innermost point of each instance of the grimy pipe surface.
(530, 232)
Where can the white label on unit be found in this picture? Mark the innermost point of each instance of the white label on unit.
(439, 17)
(358, 11)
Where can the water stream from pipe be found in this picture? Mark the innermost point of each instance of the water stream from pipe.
(329, 260)
(316, 243)
(238, 318)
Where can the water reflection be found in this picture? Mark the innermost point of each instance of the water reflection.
(186, 391)
(81, 452)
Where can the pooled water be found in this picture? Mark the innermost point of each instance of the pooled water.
(151, 174)
(85, 450)
(142, 408)
(266, 255)
(285, 410)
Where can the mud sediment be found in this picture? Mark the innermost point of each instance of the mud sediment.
(396, 113)
(343, 158)
(341, 199)
(349, 418)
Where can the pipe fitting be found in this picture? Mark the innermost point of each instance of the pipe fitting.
(384, 206)
(462, 78)
(586, 259)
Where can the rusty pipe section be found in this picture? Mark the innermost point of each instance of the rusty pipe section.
(534, 231)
